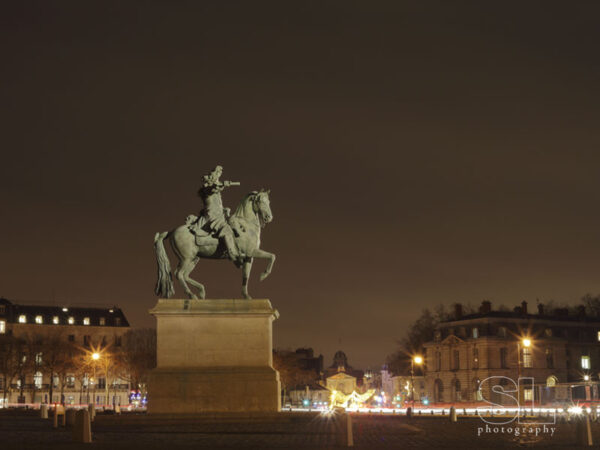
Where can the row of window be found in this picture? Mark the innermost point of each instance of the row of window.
(56, 321)
(526, 359)
(69, 381)
(457, 393)
(87, 340)
(502, 332)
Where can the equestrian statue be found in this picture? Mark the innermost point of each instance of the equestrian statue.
(215, 234)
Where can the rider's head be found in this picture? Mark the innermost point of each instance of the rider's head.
(214, 175)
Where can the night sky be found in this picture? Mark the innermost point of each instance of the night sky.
(417, 153)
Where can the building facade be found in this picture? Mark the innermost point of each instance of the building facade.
(44, 352)
(559, 350)
(341, 382)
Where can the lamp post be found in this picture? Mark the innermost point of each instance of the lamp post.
(95, 357)
(526, 342)
(413, 361)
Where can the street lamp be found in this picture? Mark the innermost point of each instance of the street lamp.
(526, 343)
(95, 356)
(414, 360)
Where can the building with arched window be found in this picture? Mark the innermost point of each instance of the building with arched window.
(558, 349)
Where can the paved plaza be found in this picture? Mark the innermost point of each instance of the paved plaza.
(25, 430)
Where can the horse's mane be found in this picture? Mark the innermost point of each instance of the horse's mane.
(239, 211)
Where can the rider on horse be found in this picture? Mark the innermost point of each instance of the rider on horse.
(214, 212)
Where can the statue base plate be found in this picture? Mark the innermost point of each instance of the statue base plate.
(214, 356)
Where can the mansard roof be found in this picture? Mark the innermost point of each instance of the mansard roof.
(113, 315)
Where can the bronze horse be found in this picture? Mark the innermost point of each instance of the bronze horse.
(253, 212)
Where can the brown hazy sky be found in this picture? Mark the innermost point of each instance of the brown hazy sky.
(417, 153)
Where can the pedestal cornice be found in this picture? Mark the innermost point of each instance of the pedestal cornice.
(220, 307)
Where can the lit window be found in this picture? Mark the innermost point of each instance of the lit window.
(65, 309)
(86, 320)
(22, 318)
(38, 319)
(102, 321)
(38, 358)
(528, 395)
(527, 359)
(71, 320)
(475, 333)
(585, 362)
(598, 336)
(37, 380)
(55, 320)
(2, 327)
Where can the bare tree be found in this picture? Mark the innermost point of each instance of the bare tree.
(291, 371)
(32, 364)
(55, 357)
(10, 351)
(137, 357)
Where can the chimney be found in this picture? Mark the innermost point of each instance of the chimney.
(485, 307)
(523, 307)
(458, 311)
(540, 309)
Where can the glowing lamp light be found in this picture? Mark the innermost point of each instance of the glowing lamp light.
(418, 359)
(576, 410)
(526, 342)
(95, 356)
(586, 377)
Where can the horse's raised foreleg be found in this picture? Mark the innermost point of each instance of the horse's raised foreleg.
(246, 267)
(258, 253)
(182, 273)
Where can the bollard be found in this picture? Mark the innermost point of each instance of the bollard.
(82, 431)
(409, 412)
(349, 435)
(44, 411)
(117, 409)
(452, 414)
(70, 417)
(432, 412)
(59, 410)
(92, 411)
(584, 431)
(420, 412)
(464, 411)
(55, 417)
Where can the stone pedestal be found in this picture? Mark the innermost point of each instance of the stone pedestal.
(214, 356)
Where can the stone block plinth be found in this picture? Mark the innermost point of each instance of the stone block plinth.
(214, 356)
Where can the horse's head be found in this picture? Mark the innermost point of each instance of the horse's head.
(262, 207)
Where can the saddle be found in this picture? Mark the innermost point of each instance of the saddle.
(200, 228)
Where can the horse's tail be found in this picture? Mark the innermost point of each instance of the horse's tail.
(164, 284)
